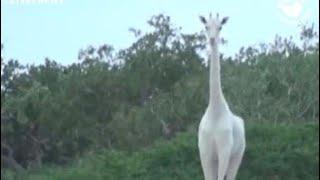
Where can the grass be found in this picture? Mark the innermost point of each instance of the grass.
(274, 152)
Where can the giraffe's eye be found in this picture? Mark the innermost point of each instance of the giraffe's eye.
(207, 27)
(220, 28)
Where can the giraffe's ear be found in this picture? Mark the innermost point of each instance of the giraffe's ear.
(203, 20)
(224, 20)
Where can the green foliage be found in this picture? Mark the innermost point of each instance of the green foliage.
(287, 86)
(273, 152)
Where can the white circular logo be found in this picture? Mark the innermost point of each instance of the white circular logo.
(293, 11)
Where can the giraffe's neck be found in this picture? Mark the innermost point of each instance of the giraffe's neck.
(216, 99)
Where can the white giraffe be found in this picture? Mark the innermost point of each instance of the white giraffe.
(221, 133)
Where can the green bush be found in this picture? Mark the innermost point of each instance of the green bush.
(273, 152)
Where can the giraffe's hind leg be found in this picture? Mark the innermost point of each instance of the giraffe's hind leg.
(234, 165)
(209, 167)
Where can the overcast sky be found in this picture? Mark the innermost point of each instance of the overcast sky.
(34, 29)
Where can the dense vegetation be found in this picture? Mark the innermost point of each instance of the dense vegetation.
(273, 152)
(123, 102)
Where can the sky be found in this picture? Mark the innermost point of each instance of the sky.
(32, 30)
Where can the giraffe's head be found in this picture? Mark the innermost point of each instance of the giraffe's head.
(213, 26)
